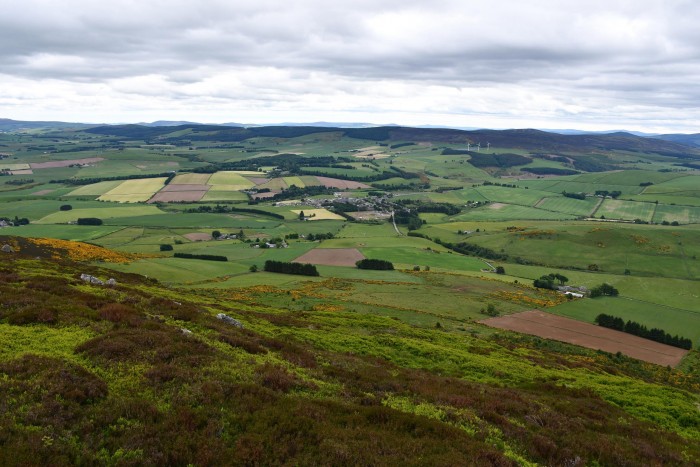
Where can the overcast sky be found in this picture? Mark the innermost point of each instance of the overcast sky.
(585, 64)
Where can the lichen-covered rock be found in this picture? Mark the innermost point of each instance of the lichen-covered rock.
(227, 319)
(7, 249)
(111, 281)
(91, 279)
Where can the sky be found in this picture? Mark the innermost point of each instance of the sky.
(548, 64)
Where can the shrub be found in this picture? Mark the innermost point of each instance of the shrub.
(291, 268)
(166, 247)
(89, 221)
(377, 264)
(65, 207)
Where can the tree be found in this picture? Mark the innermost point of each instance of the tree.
(301, 215)
(253, 268)
(65, 207)
(500, 270)
(216, 234)
(166, 247)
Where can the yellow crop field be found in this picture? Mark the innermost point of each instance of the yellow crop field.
(134, 191)
(298, 182)
(95, 189)
(191, 179)
(319, 214)
(9, 166)
(229, 179)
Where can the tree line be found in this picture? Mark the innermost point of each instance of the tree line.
(634, 328)
(291, 268)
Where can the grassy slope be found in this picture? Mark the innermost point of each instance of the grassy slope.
(104, 375)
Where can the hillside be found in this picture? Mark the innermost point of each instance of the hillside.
(534, 140)
(138, 373)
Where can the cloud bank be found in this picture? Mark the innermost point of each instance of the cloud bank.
(498, 63)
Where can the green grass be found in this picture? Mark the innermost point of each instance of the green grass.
(499, 211)
(519, 196)
(63, 232)
(628, 210)
(204, 220)
(108, 212)
(409, 257)
(572, 206)
(682, 214)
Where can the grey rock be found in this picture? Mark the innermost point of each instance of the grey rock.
(111, 281)
(227, 319)
(91, 279)
(7, 249)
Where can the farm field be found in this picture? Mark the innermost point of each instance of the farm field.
(628, 210)
(134, 191)
(108, 212)
(587, 335)
(525, 223)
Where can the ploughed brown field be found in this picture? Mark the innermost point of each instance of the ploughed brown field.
(568, 330)
(331, 256)
(341, 184)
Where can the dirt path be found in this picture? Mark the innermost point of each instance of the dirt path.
(393, 220)
(597, 206)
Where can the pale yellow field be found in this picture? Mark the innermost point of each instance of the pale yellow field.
(298, 182)
(191, 179)
(319, 214)
(8, 166)
(249, 173)
(230, 179)
(95, 189)
(134, 191)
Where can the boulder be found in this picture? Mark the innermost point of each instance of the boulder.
(227, 319)
(91, 279)
(7, 248)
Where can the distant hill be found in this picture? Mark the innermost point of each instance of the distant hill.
(687, 139)
(528, 139)
(7, 124)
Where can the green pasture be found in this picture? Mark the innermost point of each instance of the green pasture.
(195, 220)
(677, 199)
(651, 251)
(35, 209)
(78, 233)
(688, 185)
(519, 196)
(577, 207)
(107, 212)
(627, 210)
(406, 257)
(681, 214)
(231, 179)
(499, 211)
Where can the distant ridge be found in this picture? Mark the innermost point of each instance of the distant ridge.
(528, 139)
(7, 124)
